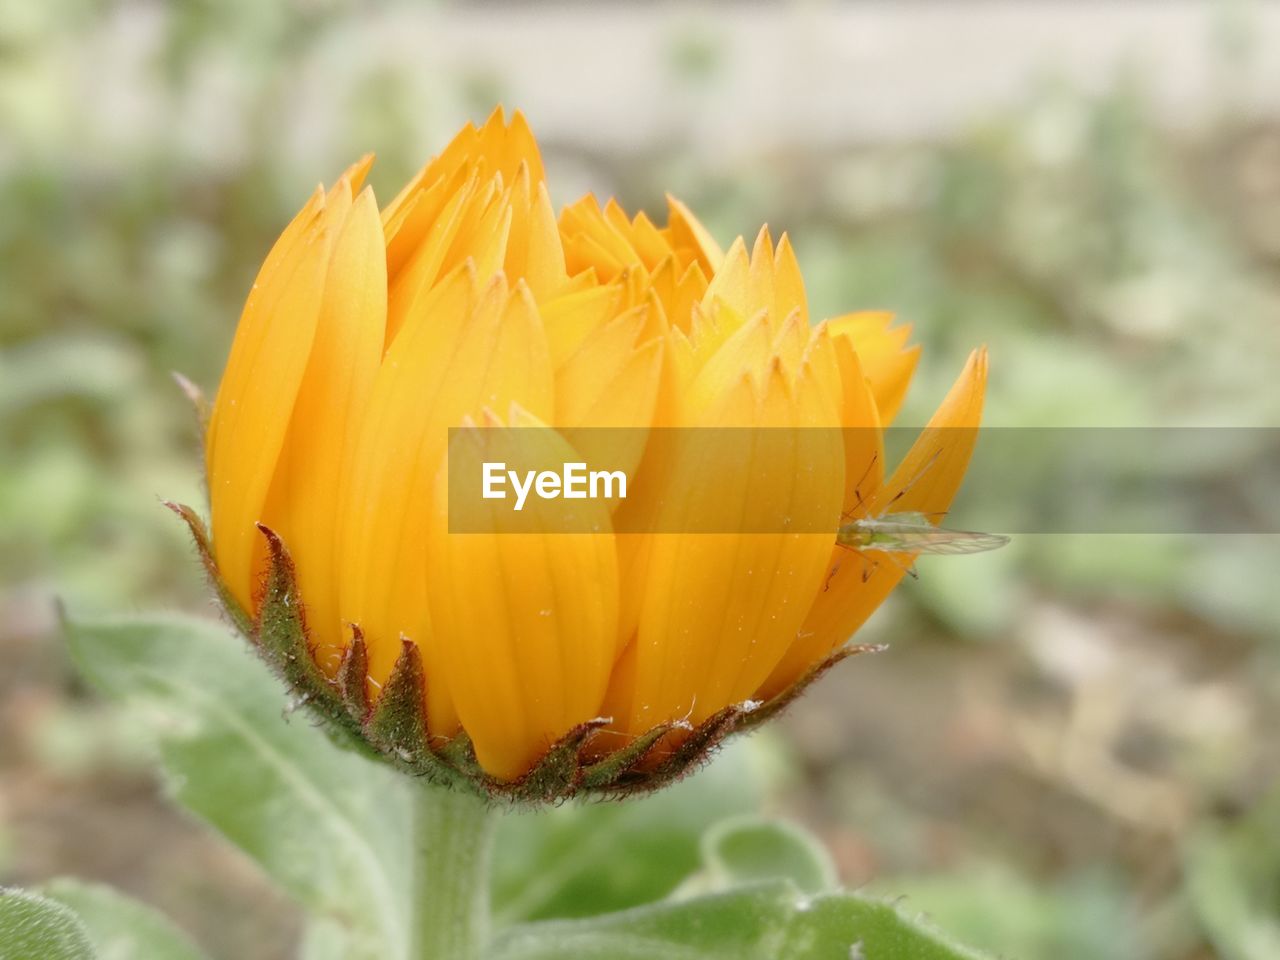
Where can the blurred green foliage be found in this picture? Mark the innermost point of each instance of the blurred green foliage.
(1121, 274)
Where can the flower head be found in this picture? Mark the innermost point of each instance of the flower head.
(542, 663)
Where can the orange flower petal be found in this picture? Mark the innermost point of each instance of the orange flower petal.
(528, 650)
(306, 496)
(927, 481)
(259, 386)
(468, 349)
(888, 362)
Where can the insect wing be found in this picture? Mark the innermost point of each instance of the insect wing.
(912, 536)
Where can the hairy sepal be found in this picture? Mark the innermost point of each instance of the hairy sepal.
(392, 726)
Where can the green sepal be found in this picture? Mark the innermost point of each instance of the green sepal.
(398, 724)
(460, 753)
(280, 635)
(353, 674)
(614, 766)
(560, 770)
(703, 740)
(204, 548)
(393, 726)
(690, 753)
(281, 631)
(766, 711)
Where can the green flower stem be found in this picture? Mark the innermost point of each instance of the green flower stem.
(452, 841)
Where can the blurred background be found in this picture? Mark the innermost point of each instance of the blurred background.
(1070, 750)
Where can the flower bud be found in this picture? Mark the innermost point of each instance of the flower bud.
(378, 347)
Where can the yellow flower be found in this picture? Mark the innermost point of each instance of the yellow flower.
(370, 333)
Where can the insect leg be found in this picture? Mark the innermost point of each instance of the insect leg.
(831, 576)
(848, 515)
(913, 481)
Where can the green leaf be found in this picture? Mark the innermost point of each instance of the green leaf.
(35, 928)
(745, 850)
(590, 858)
(731, 926)
(846, 926)
(763, 922)
(119, 927)
(326, 824)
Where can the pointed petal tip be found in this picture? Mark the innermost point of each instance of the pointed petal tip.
(521, 290)
(355, 174)
(676, 207)
(497, 286)
(793, 320)
(975, 369)
(764, 243)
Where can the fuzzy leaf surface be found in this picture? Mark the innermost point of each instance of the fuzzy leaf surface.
(744, 850)
(770, 921)
(119, 927)
(33, 927)
(326, 824)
